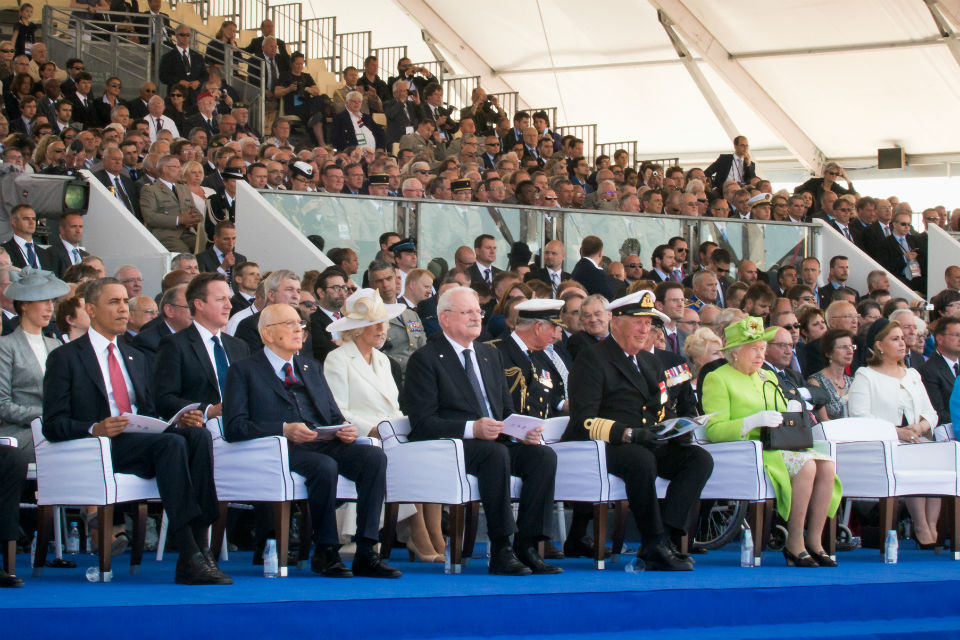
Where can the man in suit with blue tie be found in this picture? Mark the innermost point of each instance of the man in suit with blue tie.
(24, 252)
(67, 251)
(90, 383)
(276, 392)
(455, 387)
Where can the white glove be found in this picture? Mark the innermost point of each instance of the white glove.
(761, 419)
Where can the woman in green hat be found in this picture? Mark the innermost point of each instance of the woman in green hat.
(805, 481)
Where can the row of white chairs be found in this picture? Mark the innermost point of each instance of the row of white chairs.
(871, 463)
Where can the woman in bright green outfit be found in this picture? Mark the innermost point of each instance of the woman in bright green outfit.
(805, 481)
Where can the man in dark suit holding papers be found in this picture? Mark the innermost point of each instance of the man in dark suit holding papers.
(90, 382)
(455, 387)
(276, 392)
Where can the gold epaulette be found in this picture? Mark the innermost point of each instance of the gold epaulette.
(598, 428)
(519, 380)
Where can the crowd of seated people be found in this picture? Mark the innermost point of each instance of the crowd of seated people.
(173, 157)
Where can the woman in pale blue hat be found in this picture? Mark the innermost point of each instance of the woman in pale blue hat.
(23, 353)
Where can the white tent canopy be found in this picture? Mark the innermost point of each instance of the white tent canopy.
(797, 77)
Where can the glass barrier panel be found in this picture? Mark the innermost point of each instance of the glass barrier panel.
(444, 226)
(769, 245)
(632, 233)
(342, 221)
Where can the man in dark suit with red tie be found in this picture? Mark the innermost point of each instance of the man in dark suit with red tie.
(90, 383)
(276, 392)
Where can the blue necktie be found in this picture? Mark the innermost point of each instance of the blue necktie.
(76, 256)
(474, 382)
(220, 357)
(31, 256)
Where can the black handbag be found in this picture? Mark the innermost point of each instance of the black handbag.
(795, 433)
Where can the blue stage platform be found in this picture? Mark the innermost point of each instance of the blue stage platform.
(863, 598)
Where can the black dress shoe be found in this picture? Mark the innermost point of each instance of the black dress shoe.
(506, 563)
(327, 563)
(9, 581)
(528, 555)
(661, 558)
(371, 565)
(582, 548)
(194, 569)
(550, 551)
(679, 554)
(213, 564)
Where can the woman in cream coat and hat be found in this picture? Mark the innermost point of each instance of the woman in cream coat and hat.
(360, 378)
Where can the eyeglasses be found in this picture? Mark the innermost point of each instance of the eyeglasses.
(308, 304)
(337, 287)
(114, 85)
(833, 173)
(290, 324)
(808, 299)
(788, 327)
(551, 198)
(932, 220)
(468, 314)
(176, 95)
(149, 90)
(846, 347)
(132, 280)
(492, 144)
(6, 50)
(633, 265)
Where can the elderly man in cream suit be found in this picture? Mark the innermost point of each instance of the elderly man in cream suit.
(23, 353)
(361, 381)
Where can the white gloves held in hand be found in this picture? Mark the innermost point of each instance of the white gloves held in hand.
(762, 419)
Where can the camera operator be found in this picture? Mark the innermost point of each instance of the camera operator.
(485, 110)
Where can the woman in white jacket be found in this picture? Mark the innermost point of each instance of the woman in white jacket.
(360, 378)
(888, 390)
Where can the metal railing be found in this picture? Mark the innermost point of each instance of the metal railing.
(202, 7)
(610, 148)
(551, 115)
(131, 45)
(320, 37)
(457, 91)
(433, 66)
(288, 25)
(587, 133)
(352, 49)
(388, 58)
(509, 101)
(226, 9)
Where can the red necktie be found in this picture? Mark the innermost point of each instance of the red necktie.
(117, 383)
(336, 315)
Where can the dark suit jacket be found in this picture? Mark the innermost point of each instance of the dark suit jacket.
(183, 373)
(873, 241)
(148, 340)
(477, 276)
(343, 135)
(541, 273)
(137, 108)
(17, 259)
(438, 395)
(207, 260)
(579, 341)
(892, 258)
(400, 115)
(791, 380)
(257, 404)
(322, 339)
(238, 303)
(856, 230)
(87, 116)
(605, 384)
(594, 280)
(59, 257)
(826, 294)
(173, 71)
(75, 393)
(938, 380)
(720, 169)
(256, 48)
(196, 120)
(133, 193)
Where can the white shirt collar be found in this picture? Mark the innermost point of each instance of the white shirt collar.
(205, 333)
(520, 343)
(168, 185)
(950, 363)
(457, 347)
(100, 342)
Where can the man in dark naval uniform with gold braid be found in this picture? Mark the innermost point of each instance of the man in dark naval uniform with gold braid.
(534, 383)
(617, 394)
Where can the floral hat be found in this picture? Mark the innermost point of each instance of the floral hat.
(750, 329)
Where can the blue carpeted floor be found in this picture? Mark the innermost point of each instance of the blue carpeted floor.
(920, 594)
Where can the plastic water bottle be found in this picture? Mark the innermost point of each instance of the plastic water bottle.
(447, 567)
(746, 548)
(891, 548)
(93, 574)
(271, 568)
(73, 540)
(33, 548)
(635, 566)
